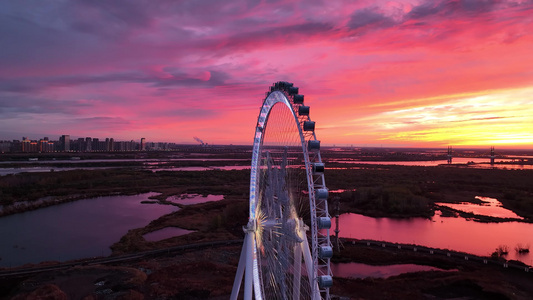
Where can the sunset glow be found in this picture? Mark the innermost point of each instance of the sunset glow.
(399, 73)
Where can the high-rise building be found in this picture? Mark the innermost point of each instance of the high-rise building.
(95, 144)
(43, 145)
(64, 142)
(81, 145)
(88, 144)
(28, 145)
(143, 144)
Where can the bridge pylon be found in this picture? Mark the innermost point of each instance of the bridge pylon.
(450, 152)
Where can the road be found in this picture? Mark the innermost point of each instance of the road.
(346, 242)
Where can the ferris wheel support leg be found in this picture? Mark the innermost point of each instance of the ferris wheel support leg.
(248, 279)
(297, 272)
(309, 265)
(240, 271)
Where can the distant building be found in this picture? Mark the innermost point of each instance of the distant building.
(88, 144)
(64, 143)
(80, 145)
(29, 145)
(143, 144)
(5, 146)
(98, 145)
(45, 145)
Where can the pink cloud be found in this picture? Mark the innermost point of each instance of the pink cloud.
(196, 67)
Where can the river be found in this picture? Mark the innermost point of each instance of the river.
(74, 230)
(156, 165)
(457, 161)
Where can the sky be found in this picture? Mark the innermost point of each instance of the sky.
(412, 73)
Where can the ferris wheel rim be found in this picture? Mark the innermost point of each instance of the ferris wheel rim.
(285, 96)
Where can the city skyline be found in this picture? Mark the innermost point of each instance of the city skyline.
(66, 143)
(142, 142)
(409, 73)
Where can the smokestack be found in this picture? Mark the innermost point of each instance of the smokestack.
(198, 140)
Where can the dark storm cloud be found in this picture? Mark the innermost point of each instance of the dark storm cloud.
(180, 79)
(303, 30)
(277, 34)
(372, 18)
(188, 113)
(456, 8)
(19, 86)
(88, 35)
(104, 122)
(174, 78)
(23, 40)
(131, 13)
(369, 17)
(74, 33)
(39, 84)
(13, 106)
(47, 41)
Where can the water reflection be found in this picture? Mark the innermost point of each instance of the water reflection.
(218, 168)
(467, 161)
(358, 270)
(188, 199)
(73, 230)
(160, 165)
(489, 207)
(341, 191)
(441, 232)
(7, 171)
(151, 161)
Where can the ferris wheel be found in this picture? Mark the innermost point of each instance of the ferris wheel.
(287, 249)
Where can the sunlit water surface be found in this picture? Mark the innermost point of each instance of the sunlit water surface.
(189, 199)
(442, 232)
(156, 165)
(489, 207)
(477, 163)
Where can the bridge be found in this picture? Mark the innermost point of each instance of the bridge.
(492, 154)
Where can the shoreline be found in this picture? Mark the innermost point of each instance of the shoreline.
(209, 270)
(499, 261)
